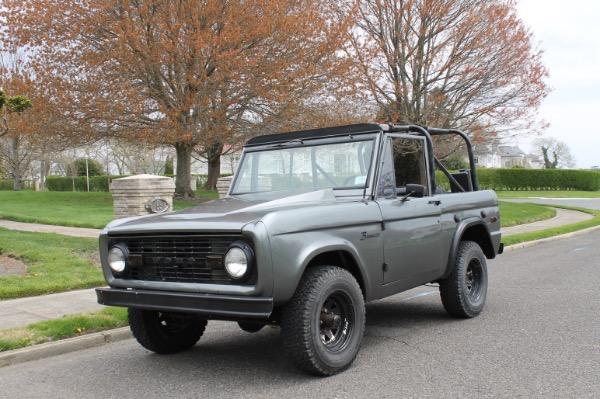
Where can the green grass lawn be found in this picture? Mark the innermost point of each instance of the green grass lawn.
(55, 263)
(78, 209)
(555, 231)
(512, 214)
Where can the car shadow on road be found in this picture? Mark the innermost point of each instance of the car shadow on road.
(225, 349)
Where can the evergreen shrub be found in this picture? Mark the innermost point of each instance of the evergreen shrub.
(520, 179)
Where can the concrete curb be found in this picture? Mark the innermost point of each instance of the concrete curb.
(41, 351)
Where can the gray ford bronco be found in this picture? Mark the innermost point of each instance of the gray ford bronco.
(315, 224)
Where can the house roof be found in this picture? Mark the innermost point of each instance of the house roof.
(510, 151)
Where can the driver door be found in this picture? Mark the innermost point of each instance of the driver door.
(412, 236)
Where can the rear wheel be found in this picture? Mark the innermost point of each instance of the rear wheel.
(165, 333)
(323, 324)
(464, 292)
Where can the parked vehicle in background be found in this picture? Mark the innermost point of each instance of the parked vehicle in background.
(316, 223)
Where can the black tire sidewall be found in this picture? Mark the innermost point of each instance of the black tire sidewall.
(148, 331)
(352, 346)
(471, 252)
(454, 292)
(300, 321)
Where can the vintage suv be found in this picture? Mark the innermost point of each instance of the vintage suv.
(315, 224)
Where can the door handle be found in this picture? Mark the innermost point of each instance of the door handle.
(435, 202)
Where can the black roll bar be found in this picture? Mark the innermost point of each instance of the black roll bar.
(437, 132)
(427, 132)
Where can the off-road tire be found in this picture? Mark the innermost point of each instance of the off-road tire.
(322, 326)
(165, 333)
(464, 292)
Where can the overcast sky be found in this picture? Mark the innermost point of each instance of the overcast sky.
(569, 31)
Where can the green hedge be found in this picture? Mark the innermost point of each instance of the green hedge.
(9, 185)
(60, 183)
(519, 179)
(97, 183)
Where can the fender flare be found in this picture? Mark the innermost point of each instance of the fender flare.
(320, 247)
(459, 232)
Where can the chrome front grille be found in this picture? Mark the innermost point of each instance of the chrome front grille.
(180, 259)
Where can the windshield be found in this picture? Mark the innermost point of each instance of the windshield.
(342, 165)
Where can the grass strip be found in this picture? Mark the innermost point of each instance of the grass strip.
(64, 327)
(555, 231)
(513, 213)
(54, 263)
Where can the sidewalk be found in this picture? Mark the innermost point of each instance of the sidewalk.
(24, 311)
(45, 228)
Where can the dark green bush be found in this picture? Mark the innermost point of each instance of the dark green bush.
(517, 179)
(60, 183)
(8, 184)
(97, 183)
(520, 179)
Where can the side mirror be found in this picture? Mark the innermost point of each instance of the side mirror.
(417, 190)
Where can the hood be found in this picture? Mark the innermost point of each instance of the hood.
(223, 215)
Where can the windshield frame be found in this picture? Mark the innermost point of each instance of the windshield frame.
(366, 190)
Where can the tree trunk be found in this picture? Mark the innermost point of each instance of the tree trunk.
(184, 170)
(16, 164)
(44, 170)
(213, 156)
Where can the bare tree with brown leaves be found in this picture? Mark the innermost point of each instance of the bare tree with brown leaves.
(184, 73)
(469, 64)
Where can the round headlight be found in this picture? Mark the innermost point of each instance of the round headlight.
(238, 260)
(117, 258)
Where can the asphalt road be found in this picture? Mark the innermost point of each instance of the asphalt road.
(538, 337)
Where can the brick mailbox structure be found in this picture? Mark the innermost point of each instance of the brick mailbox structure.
(142, 194)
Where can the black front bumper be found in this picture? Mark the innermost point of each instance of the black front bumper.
(217, 306)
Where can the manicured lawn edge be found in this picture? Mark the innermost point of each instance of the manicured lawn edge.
(555, 231)
(62, 328)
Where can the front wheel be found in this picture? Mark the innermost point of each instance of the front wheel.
(165, 333)
(323, 324)
(464, 292)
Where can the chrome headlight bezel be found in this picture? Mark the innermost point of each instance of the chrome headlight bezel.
(118, 259)
(238, 261)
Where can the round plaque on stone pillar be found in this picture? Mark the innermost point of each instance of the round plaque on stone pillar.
(157, 205)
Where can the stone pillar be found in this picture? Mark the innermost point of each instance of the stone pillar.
(223, 184)
(142, 194)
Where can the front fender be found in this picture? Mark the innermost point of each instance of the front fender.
(292, 253)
